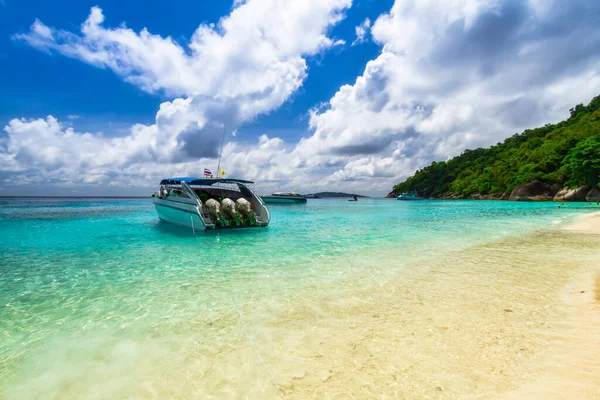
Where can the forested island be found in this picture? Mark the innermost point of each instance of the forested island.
(327, 195)
(556, 162)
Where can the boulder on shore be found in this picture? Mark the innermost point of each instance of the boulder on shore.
(567, 194)
(534, 191)
(491, 196)
(593, 194)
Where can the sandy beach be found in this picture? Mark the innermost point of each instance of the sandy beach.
(513, 315)
(587, 223)
(516, 318)
(573, 363)
(300, 200)
(527, 330)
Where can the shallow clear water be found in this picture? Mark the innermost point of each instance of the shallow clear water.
(99, 299)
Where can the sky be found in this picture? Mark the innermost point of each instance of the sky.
(109, 97)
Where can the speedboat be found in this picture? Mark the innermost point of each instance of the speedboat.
(408, 196)
(210, 203)
(283, 197)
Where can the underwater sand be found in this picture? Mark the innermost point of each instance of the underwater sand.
(440, 300)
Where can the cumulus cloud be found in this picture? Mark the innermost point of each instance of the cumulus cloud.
(257, 50)
(455, 75)
(361, 31)
(248, 64)
(46, 151)
(451, 75)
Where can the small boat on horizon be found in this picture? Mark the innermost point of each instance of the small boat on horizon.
(409, 196)
(210, 203)
(285, 197)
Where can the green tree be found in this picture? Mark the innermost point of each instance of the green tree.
(565, 153)
(582, 163)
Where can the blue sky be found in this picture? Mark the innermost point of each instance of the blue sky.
(109, 97)
(35, 84)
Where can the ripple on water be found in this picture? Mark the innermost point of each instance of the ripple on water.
(400, 301)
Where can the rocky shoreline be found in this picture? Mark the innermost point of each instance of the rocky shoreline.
(530, 191)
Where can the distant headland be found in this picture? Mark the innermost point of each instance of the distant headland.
(330, 195)
(559, 162)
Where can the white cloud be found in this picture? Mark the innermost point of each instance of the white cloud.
(255, 51)
(455, 75)
(361, 31)
(46, 151)
(249, 63)
(451, 75)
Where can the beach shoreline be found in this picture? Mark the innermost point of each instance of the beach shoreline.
(573, 359)
(531, 332)
(505, 312)
(586, 223)
(548, 350)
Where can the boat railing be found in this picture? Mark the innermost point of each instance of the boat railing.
(260, 202)
(215, 185)
(199, 209)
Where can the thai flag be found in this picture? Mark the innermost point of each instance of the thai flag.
(207, 172)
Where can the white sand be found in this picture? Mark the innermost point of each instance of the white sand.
(513, 318)
(589, 223)
(570, 369)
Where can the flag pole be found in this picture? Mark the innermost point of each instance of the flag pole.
(221, 152)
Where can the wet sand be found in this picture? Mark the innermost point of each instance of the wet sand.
(573, 361)
(513, 318)
(588, 223)
(570, 369)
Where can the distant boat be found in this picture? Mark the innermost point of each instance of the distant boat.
(284, 197)
(408, 196)
(354, 198)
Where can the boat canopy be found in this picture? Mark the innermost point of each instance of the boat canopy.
(201, 181)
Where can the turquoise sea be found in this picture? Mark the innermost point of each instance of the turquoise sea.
(99, 299)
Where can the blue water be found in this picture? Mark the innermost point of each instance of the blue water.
(78, 277)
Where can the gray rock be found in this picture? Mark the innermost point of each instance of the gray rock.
(593, 194)
(534, 191)
(496, 196)
(567, 194)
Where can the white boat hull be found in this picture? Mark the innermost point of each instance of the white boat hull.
(282, 199)
(408, 197)
(178, 203)
(179, 213)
